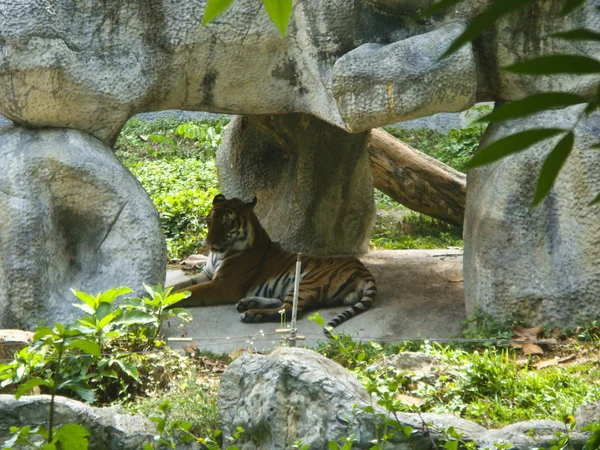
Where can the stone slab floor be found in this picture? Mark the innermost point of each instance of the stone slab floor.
(420, 295)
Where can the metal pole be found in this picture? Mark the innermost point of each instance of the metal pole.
(293, 330)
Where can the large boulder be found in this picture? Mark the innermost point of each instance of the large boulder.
(296, 394)
(312, 180)
(109, 428)
(71, 216)
(91, 65)
(540, 264)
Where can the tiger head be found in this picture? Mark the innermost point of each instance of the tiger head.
(232, 225)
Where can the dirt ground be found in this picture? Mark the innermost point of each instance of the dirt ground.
(420, 295)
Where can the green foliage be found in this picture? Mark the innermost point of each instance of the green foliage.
(96, 357)
(175, 164)
(415, 231)
(156, 309)
(68, 436)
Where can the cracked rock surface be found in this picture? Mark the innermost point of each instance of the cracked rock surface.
(71, 216)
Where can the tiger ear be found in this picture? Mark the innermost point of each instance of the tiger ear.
(220, 198)
(252, 204)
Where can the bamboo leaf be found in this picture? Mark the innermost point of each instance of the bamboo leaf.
(551, 167)
(533, 104)
(483, 21)
(578, 34)
(596, 200)
(511, 144)
(571, 5)
(214, 8)
(556, 64)
(280, 12)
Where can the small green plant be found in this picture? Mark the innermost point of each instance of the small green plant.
(157, 308)
(169, 431)
(60, 341)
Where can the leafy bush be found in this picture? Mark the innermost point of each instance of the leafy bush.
(174, 162)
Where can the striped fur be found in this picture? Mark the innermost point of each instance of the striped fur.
(245, 267)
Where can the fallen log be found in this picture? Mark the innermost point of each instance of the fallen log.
(416, 180)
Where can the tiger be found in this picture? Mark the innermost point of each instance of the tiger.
(247, 268)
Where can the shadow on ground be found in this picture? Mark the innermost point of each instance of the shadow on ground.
(420, 295)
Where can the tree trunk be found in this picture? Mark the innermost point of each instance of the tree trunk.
(416, 180)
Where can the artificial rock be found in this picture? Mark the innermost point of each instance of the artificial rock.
(542, 263)
(312, 180)
(71, 216)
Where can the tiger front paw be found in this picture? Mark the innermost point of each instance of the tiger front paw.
(245, 304)
(251, 317)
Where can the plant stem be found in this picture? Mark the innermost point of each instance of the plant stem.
(54, 389)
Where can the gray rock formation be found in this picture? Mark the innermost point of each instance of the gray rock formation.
(312, 180)
(529, 435)
(71, 217)
(110, 429)
(368, 97)
(91, 68)
(296, 394)
(541, 264)
(526, 34)
(587, 414)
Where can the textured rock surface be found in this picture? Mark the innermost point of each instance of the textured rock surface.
(587, 414)
(543, 264)
(296, 394)
(529, 435)
(109, 428)
(71, 216)
(525, 34)
(91, 66)
(312, 180)
(369, 97)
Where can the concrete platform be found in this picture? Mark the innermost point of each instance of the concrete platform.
(420, 295)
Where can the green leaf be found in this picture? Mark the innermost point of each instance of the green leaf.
(533, 104)
(42, 332)
(108, 319)
(29, 385)
(280, 12)
(72, 436)
(80, 388)
(556, 64)
(578, 34)
(214, 8)
(571, 5)
(510, 144)
(551, 167)
(86, 346)
(128, 368)
(85, 308)
(332, 445)
(443, 4)
(102, 311)
(50, 446)
(92, 302)
(174, 298)
(483, 21)
(111, 295)
(134, 317)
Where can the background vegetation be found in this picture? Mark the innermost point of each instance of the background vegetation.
(175, 162)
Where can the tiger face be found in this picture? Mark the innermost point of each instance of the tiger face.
(228, 226)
